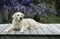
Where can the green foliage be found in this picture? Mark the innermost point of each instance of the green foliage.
(34, 1)
(37, 18)
(48, 18)
(44, 17)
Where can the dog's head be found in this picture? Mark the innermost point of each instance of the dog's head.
(18, 16)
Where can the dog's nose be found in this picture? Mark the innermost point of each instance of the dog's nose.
(20, 18)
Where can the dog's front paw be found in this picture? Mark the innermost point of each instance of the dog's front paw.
(21, 31)
(5, 31)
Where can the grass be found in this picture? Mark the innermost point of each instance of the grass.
(48, 19)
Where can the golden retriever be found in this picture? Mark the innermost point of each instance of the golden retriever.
(20, 24)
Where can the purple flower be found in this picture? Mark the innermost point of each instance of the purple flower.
(17, 8)
(39, 4)
(31, 5)
(5, 7)
(26, 2)
(22, 9)
(40, 12)
(43, 9)
(9, 7)
(35, 7)
(29, 10)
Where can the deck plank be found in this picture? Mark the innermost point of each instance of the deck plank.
(44, 29)
(58, 25)
(18, 32)
(33, 32)
(7, 29)
(40, 31)
(53, 29)
(26, 32)
(2, 28)
(12, 32)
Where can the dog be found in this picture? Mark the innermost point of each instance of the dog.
(20, 24)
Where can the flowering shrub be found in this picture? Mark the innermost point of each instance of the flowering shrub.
(28, 7)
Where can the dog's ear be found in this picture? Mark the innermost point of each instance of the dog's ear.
(13, 16)
(23, 15)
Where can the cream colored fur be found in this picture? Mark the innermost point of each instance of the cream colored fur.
(27, 23)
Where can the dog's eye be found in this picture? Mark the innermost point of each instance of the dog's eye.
(17, 15)
(22, 15)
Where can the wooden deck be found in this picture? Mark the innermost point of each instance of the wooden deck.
(44, 29)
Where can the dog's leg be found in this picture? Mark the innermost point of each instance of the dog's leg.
(9, 29)
(22, 29)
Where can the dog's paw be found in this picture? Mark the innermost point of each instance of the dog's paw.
(21, 31)
(5, 31)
